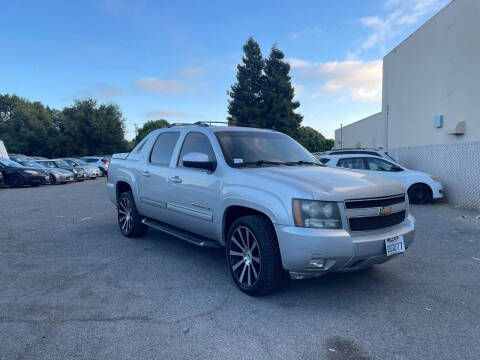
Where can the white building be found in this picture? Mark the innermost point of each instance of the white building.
(430, 118)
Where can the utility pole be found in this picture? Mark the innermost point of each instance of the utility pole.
(136, 129)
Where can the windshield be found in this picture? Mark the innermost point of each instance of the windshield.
(263, 148)
(68, 161)
(8, 162)
(31, 164)
(80, 162)
(48, 164)
(60, 162)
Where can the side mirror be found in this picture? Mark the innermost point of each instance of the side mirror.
(199, 161)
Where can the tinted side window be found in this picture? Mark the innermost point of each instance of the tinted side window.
(352, 163)
(196, 142)
(139, 147)
(324, 160)
(381, 165)
(163, 148)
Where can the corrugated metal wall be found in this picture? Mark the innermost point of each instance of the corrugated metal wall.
(457, 167)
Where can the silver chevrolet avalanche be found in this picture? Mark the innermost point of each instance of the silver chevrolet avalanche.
(259, 194)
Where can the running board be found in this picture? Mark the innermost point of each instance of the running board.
(187, 236)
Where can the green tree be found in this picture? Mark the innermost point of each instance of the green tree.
(148, 127)
(27, 127)
(312, 140)
(245, 104)
(87, 128)
(277, 95)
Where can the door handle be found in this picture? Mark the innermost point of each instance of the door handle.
(175, 179)
(146, 173)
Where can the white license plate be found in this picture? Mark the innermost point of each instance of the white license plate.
(394, 245)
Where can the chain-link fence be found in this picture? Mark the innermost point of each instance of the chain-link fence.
(457, 167)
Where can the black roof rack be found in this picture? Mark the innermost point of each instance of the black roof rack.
(209, 123)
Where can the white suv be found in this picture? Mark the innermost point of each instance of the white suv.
(263, 197)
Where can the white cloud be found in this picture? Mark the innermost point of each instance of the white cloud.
(160, 86)
(400, 16)
(355, 79)
(100, 91)
(310, 31)
(192, 71)
(168, 114)
(299, 90)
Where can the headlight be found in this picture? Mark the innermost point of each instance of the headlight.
(316, 214)
(75, 171)
(31, 172)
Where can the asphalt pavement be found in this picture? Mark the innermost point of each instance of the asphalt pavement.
(72, 287)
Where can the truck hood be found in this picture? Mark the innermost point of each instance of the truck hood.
(332, 184)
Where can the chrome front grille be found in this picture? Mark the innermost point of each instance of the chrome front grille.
(374, 202)
(375, 213)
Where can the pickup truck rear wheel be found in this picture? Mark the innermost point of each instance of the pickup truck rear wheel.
(129, 220)
(252, 255)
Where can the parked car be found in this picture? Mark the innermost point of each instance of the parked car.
(355, 151)
(18, 157)
(99, 161)
(56, 175)
(263, 197)
(17, 175)
(37, 158)
(78, 173)
(422, 187)
(92, 171)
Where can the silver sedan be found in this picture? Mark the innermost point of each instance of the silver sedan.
(56, 175)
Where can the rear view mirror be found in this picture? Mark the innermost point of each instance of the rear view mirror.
(199, 161)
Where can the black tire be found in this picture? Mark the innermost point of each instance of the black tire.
(420, 194)
(129, 220)
(16, 181)
(52, 179)
(268, 269)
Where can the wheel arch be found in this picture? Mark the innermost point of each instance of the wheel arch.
(122, 186)
(420, 183)
(235, 211)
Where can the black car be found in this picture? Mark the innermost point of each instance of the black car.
(17, 175)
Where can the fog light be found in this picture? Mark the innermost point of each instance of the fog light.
(317, 263)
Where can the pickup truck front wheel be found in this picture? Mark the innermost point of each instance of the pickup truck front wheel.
(252, 255)
(129, 220)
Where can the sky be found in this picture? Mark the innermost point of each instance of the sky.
(177, 59)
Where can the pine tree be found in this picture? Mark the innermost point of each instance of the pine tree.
(245, 105)
(277, 95)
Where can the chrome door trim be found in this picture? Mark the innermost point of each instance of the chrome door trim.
(160, 204)
(203, 215)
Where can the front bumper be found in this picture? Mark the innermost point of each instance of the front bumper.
(437, 190)
(340, 250)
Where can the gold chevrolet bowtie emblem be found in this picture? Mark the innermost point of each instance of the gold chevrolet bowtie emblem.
(383, 211)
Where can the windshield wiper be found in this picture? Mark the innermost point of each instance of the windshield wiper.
(262, 162)
(301, 162)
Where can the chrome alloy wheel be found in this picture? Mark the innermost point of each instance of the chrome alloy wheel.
(125, 215)
(245, 258)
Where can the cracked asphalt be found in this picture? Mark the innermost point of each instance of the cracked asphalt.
(71, 287)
